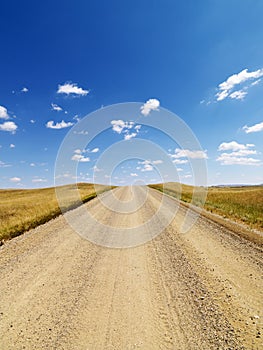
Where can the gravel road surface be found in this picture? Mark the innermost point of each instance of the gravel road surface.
(199, 290)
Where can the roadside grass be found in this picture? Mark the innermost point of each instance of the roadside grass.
(21, 210)
(242, 204)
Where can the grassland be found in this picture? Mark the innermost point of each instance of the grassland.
(21, 210)
(242, 204)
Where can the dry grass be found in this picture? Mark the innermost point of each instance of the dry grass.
(21, 210)
(242, 204)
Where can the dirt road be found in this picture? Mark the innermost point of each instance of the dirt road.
(200, 290)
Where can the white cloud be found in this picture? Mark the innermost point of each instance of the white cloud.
(229, 159)
(147, 167)
(15, 179)
(234, 146)
(256, 82)
(130, 136)
(96, 169)
(76, 117)
(243, 152)
(4, 165)
(32, 121)
(180, 161)
(95, 150)
(238, 95)
(221, 95)
(120, 125)
(61, 125)
(71, 88)
(227, 86)
(133, 174)
(24, 89)
(151, 105)
(3, 113)
(32, 164)
(254, 128)
(78, 151)
(148, 164)
(186, 153)
(158, 161)
(55, 107)
(240, 154)
(39, 180)
(80, 158)
(8, 126)
(12, 145)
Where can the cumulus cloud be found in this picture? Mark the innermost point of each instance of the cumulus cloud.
(121, 127)
(80, 158)
(130, 136)
(24, 89)
(186, 153)
(78, 151)
(96, 169)
(8, 126)
(229, 159)
(238, 95)
(133, 174)
(71, 88)
(12, 145)
(234, 146)
(147, 165)
(151, 105)
(61, 125)
(180, 161)
(15, 179)
(158, 161)
(226, 87)
(55, 107)
(254, 128)
(3, 113)
(32, 121)
(239, 154)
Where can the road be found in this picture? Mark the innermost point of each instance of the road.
(199, 290)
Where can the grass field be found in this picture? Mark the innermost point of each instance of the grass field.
(21, 210)
(242, 204)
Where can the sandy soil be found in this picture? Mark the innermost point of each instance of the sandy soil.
(200, 290)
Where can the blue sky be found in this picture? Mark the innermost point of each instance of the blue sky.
(61, 60)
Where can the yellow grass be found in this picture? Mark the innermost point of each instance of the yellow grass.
(21, 210)
(243, 204)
